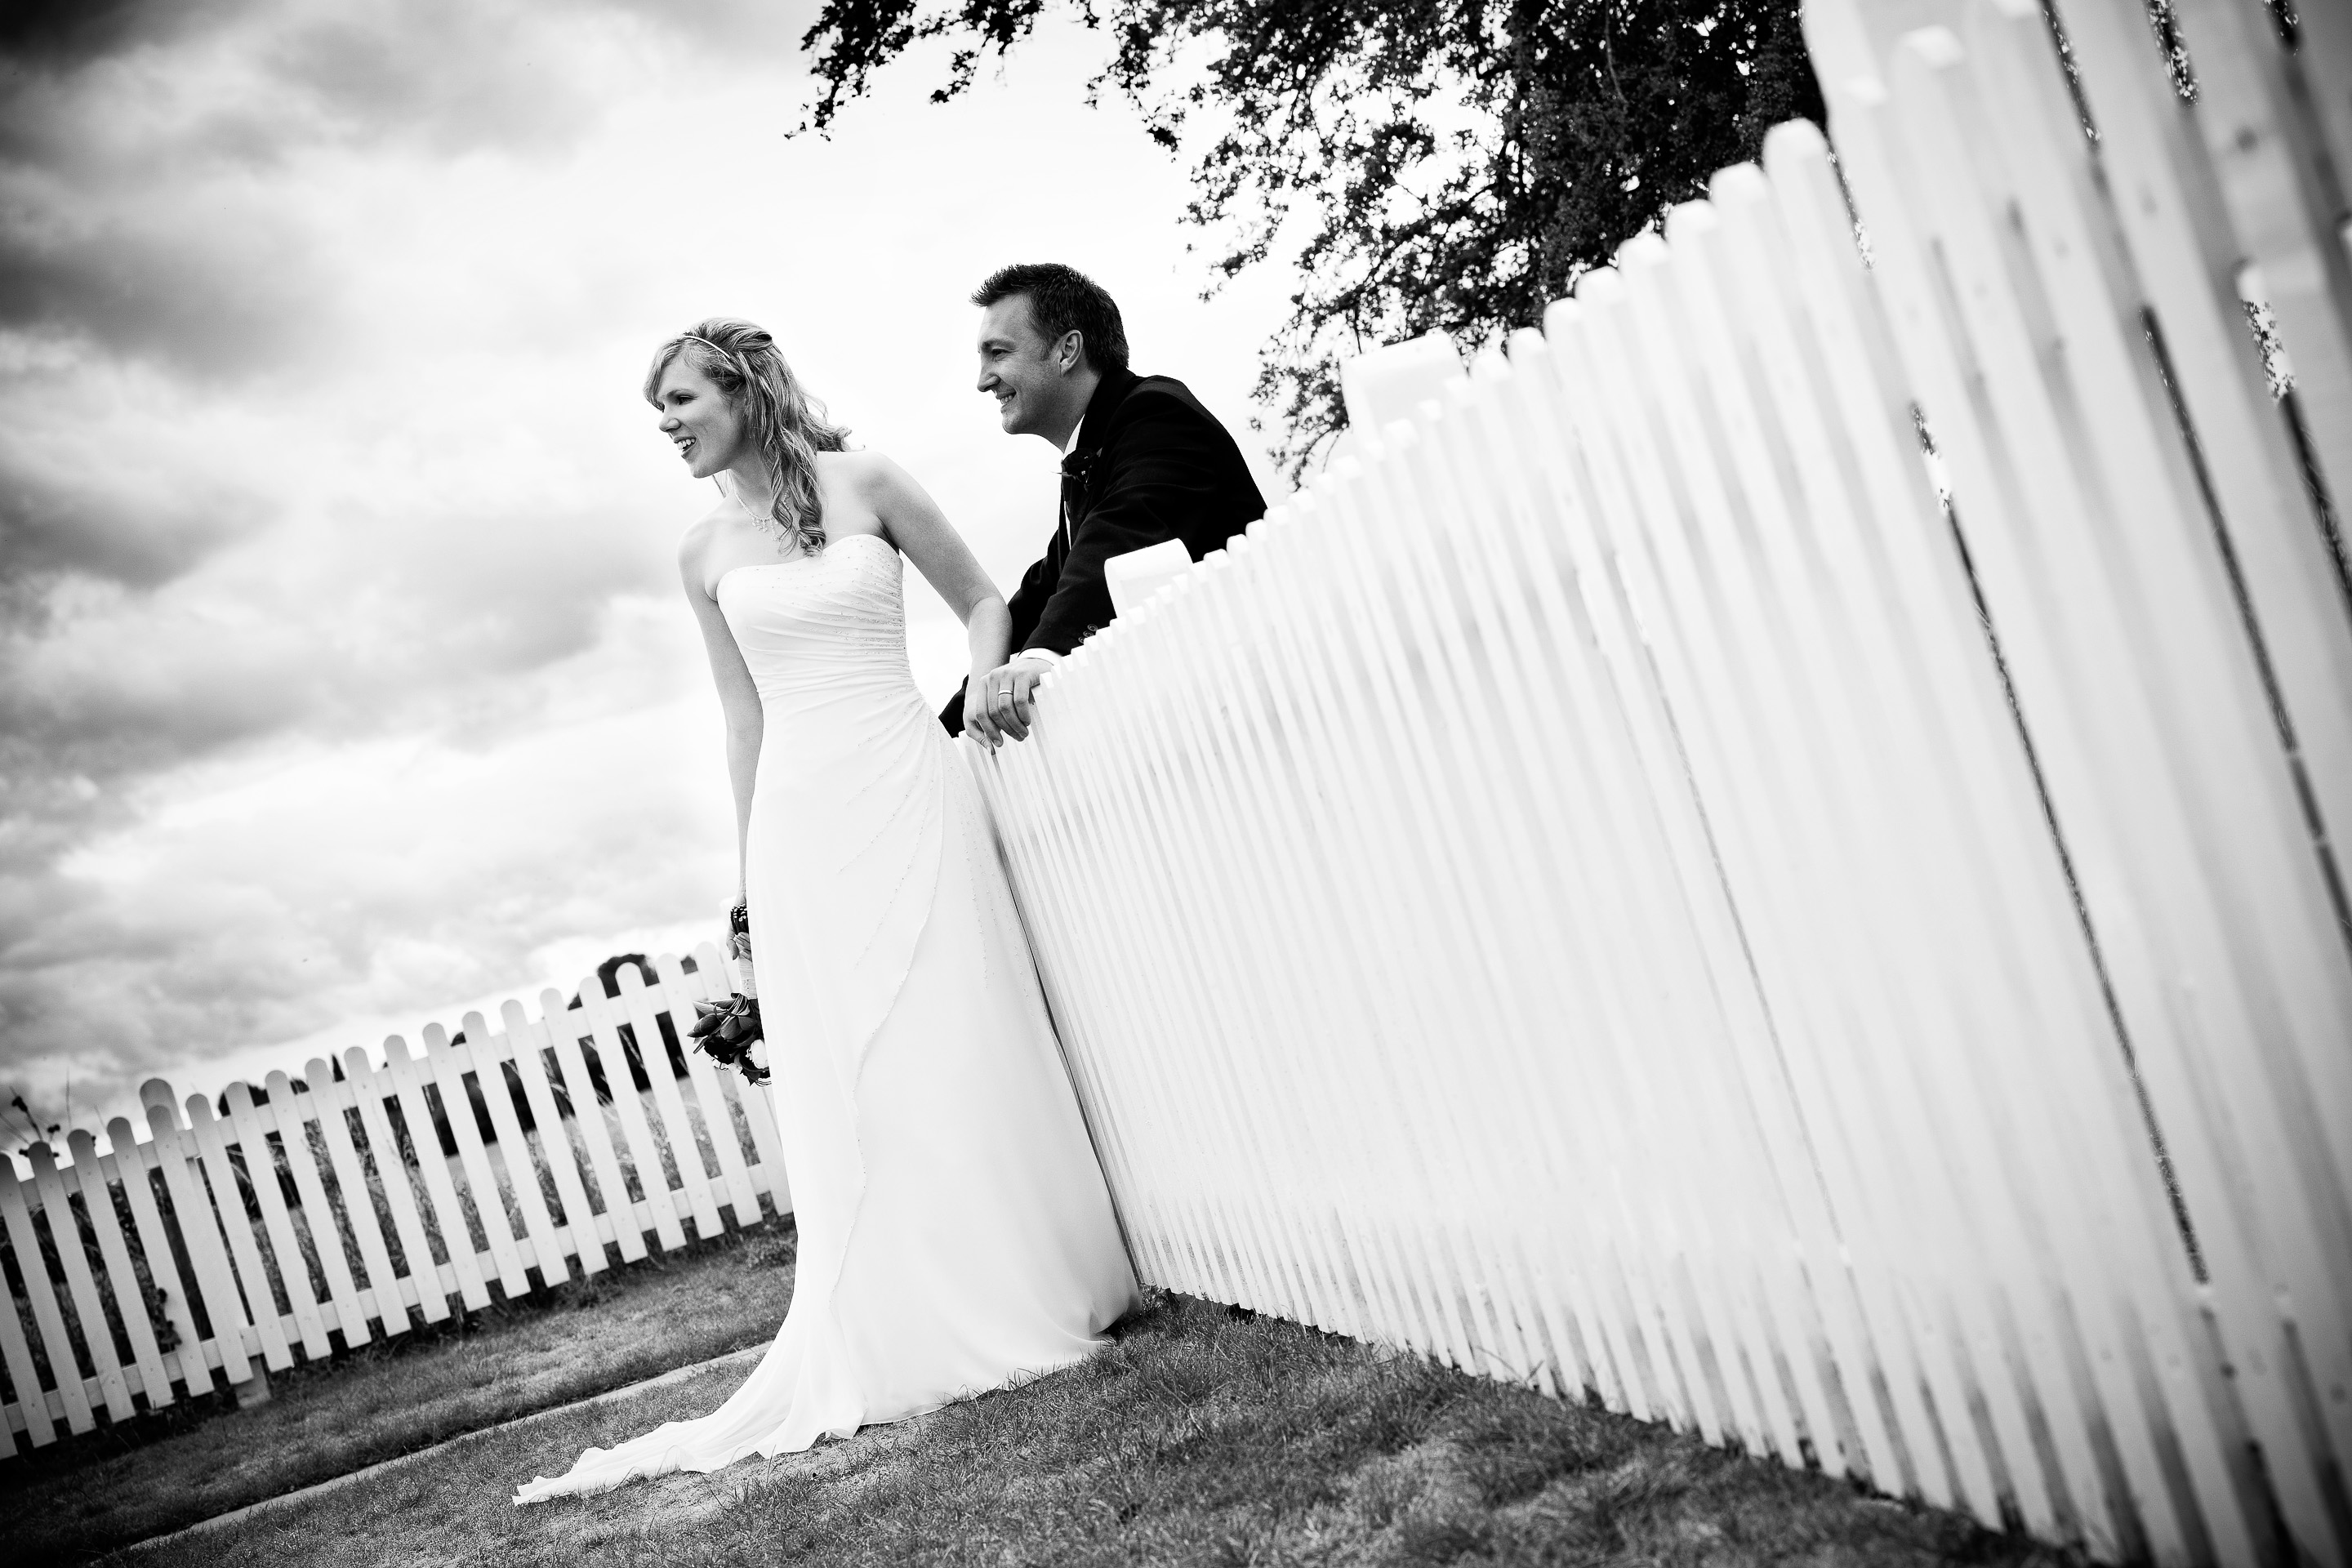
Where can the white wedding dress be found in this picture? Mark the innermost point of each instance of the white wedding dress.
(955, 1234)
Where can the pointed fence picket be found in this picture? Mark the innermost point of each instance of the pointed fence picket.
(196, 1197)
(74, 1401)
(637, 1129)
(171, 1305)
(94, 1181)
(620, 1222)
(320, 1213)
(379, 1298)
(636, 1008)
(571, 1235)
(425, 1286)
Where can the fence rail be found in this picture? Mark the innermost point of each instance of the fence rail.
(1622, 887)
(367, 1198)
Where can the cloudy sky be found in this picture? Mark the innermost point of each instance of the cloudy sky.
(344, 677)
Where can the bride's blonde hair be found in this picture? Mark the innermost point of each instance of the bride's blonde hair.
(743, 363)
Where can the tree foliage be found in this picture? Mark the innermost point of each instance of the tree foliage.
(1437, 164)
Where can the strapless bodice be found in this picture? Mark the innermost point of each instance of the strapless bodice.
(830, 623)
(824, 637)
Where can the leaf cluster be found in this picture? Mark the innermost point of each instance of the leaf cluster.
(1447, 166)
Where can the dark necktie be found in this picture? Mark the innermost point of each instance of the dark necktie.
(1076, 467)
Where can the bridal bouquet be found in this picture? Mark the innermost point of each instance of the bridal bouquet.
(728, 1030)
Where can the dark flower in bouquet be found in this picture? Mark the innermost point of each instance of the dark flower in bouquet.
(727, 1029)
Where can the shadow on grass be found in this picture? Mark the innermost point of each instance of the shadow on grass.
(84, 1495)
(1195, 1438)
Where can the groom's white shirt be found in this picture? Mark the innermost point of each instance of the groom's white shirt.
(1045, 655)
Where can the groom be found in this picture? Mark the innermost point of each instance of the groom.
(1141, 462)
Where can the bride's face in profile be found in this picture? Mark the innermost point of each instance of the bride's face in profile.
(698, 417)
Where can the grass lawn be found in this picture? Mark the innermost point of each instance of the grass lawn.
(72, 1502)
(1197, 1438)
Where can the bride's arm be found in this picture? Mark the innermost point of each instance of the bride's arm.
(914, 522)
(738, 699)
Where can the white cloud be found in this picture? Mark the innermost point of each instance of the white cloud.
(345, 669)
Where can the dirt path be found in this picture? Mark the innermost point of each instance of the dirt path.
(739, 1361)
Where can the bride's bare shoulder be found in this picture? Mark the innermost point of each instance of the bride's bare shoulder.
(695, 543)
(869, 474)
(861, 469)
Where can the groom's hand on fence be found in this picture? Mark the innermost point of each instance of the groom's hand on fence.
(998, 706)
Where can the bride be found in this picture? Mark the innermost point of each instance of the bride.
(955, 1230)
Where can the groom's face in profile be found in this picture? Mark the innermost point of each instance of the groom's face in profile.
(1028, 374)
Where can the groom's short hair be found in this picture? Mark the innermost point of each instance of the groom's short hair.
(1063, 300)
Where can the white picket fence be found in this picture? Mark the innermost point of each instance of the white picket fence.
(1572, 894)
(328, 1211)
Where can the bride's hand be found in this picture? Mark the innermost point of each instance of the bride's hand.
(1000, 705)
(976, 721)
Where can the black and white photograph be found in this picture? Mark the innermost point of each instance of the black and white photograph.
(1221, 783)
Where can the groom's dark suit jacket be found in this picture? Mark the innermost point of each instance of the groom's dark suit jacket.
(1151, 464)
